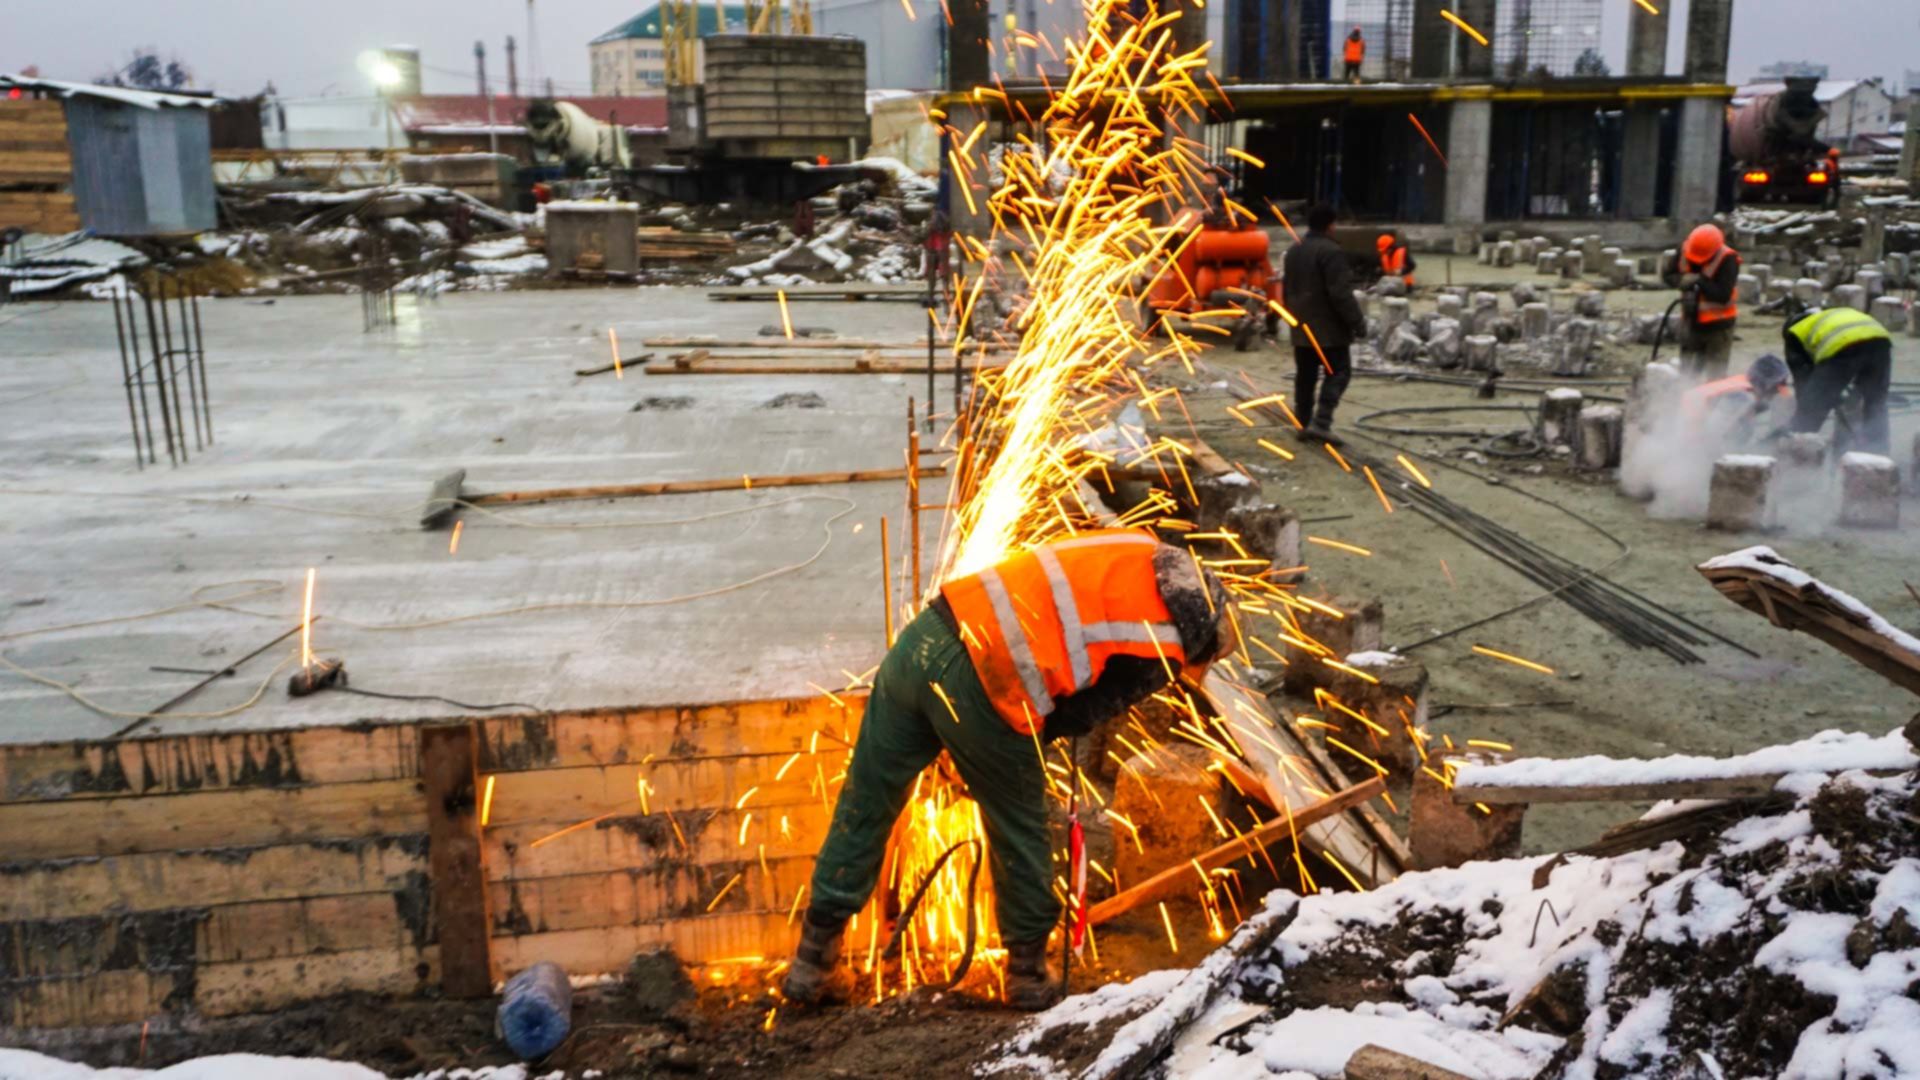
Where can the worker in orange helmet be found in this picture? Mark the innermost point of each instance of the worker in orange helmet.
(1707, 273)
(1395, 259)
(1734, 411)
(1354, 53)
(1049, 642)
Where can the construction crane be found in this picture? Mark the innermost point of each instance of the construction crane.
(680, 29)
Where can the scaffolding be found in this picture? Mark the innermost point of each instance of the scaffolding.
(1553, 38)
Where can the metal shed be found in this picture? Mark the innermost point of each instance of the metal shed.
(142, 161)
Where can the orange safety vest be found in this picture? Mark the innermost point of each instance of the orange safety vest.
(1710, 311)
(1356, 50)
(1393, 263)
(1043, 624)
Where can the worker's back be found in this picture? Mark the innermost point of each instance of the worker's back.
(1318, 287)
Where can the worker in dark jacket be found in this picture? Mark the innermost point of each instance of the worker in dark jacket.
(1831, 351)
(1707, 273)
(1045, 644)
(1318, 290)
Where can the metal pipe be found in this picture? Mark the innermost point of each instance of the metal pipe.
(886, 578)
(913, 495)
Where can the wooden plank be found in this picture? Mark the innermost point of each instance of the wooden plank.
(1169, 879)
(328, 755)
(50, 830)
(98, 1000)
(858, 367)
(852, 291)
(682, 487)
(33, 111)
(449, 763)
(1732, 787)
(71, 888)
(805, 343)
(1372, 1062)
(563, 797)
(667, 892)
(36, 167)
(1809, 609)
(639, 843)
(721, 940)
(196, 763)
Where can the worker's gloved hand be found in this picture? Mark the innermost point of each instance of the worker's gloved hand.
(1688, 281)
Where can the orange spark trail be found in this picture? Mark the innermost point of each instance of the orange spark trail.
(1512, 659)
(1463, 25)
(1424, 134)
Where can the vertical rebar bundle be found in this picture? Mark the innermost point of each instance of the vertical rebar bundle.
(157, 326)
(376, 279)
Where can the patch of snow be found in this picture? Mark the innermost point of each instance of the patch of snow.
(1746, 461)
(1856, 459)
(531, 263)
(25, 1065)
(591, 207)
(1828, 752)
(1640, 1036)
(1319, 1042)
(1373, 658)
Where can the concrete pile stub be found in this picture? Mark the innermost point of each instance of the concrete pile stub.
(1899, 269)
(1535, 321)
(1873, 281)
(1559, 415)
(1747, 284)
(1598, 446)
(1852, 296)
(1620, 272)
(1762, 273)
(1443, 343)
(1390, 286)
(1807, 290)
(1869, 491)
(1891, 312)
(1395, 699)
(1593, 305)
(1268, 531)
(1479, 351)
(1776, 290)
(1402, 346)
(1486, 254)
(1449, 306)
(1647, 265)
(1486, 309)
(1913, 461)
(1503, 253)
(1737, 493)
(1573, 264)
(1443, 834)
(1393, 312)
(1801, 450)
(1358, 629)
(1577, 342)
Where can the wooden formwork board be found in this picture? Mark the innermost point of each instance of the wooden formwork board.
(221, 873)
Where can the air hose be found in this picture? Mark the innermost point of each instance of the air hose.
(905, 918)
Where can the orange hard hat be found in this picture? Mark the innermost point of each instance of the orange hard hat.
(1384, 242)
(1704, 243)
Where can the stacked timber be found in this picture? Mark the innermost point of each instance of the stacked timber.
(35, 168)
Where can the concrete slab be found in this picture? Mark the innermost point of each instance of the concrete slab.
(328, 439)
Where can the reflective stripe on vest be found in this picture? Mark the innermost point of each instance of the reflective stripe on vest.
(1043, 623)
(1829, 333)
(1712, 311)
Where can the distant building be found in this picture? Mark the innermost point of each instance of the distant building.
(631, 59)
(1782, 69)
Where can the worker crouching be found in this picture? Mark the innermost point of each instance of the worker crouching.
(1046, 644)
(1830, 353)
(1395, 260)
(1707, 273)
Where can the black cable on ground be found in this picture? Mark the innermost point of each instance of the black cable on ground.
(1367, 422)
(436, 697)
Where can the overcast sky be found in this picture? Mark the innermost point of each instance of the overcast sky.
(237, 46)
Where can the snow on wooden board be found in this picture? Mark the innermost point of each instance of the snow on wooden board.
(1761, 559)
(1830, 751)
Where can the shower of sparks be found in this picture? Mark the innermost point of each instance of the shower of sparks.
(1515, 660)
(1465, 27)
(1647, 6)
(306, 626)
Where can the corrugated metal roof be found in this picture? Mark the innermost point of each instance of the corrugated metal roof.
(647, 24)
(145, 99)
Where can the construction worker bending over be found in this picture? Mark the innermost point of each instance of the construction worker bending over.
(1354, 54)
(1319, 293)
(1831, 351)
(1395, 259)
(1734, 411)
(1048, 643)
(1707, 273)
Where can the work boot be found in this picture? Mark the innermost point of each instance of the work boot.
(1321, 431)
(1032, 984)
(816, 975)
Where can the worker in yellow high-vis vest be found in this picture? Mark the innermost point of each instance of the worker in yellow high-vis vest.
(1831, 351)
(1046, 643)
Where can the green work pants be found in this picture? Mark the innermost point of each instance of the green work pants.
(905, 727)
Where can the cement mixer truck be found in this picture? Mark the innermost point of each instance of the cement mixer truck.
(1776, 157)
(563, 132)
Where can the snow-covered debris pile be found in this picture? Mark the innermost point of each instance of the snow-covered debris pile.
(1829, 751)
(1772, 938)
(45, 264)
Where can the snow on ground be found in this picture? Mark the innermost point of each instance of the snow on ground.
(1782, 944)
(1829, 751)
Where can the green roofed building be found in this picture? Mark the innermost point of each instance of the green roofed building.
(632, 58)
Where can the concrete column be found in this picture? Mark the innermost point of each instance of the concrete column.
(1646, 42)
(1432, 39)
(1910, 144)
(1282, 45)
(1473, 61)
(969, 219)
(1469, 144)
(967, 62)
(1709, 30)
(1697, 164)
